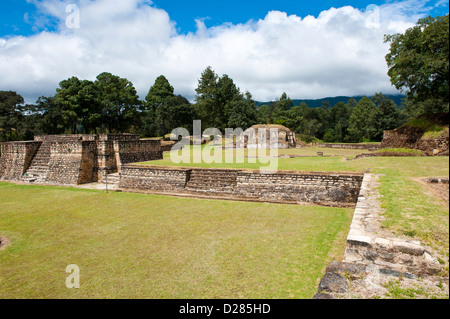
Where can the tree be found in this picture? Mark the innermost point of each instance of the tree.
(79, 104)
(174, 112)
(160, 90)
(281, 107)
(295, 117)
(52, 121)
(243, 112)
(362, 121)
(386, 117)
(418, 61)
(227, 95)
(118, 101)
(10, 114)
(339, 120)
(264, 114)
(208, 107)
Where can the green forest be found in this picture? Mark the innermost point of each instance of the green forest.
(417, 61)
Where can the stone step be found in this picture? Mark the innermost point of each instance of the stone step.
(112, 179)
(212, 183)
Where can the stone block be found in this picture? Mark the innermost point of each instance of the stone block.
(408, 248)
(359, 240)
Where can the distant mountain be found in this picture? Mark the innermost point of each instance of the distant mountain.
(334, 100)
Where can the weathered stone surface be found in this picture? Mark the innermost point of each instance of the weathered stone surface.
(333, 282)
(355, 240)
(394, 273)
(408, 248)
(352, 270)
(360, 146)
(286, 187)
(322, 296)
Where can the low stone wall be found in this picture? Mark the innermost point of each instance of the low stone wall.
(16, 158)
(299, 187)
(280, 187)
(137, 151)
(136, 177)
(349, 146)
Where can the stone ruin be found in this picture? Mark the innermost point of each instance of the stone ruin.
(415, 137)
(285, 138)
(73, 159)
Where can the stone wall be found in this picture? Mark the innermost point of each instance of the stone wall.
(299, 187)
(65, 162)
(137, 151)
(137, 177)
(73, 159)
(280, 187)
(366, 146)
(16, 158)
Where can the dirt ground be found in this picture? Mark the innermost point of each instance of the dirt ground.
(439, 190)
(3, 242)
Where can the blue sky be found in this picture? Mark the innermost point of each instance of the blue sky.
(308, 49)
(18, 16)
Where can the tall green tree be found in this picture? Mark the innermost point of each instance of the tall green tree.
(52, 121)
(158, 92)
(243, 112)
(386, 117)
(175, 111)
(418, 62)
(10, 115)
(79, 104)
(362, 121)
(118, 101)
(207, 104)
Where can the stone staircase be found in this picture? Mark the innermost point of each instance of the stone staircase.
(211, 181)
(112, 179)
(40, 165)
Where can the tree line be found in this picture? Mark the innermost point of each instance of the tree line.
(418, 62)
(110, 104)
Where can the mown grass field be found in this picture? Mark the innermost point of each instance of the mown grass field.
(148, 246)
(145, 246)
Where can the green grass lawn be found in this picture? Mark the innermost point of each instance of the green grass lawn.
(147, 246)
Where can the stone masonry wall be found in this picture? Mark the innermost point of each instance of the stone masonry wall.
(299, 187)
(74, 159)
(136, 177)
(16, 158)
(349, 146)
(89, 165)
(65, 162)
(285, 187)
(137, 151)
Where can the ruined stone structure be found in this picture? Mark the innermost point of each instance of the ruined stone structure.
(415, 137)
(73, 159)
(285, 138)
(361, 146)
(281, 187)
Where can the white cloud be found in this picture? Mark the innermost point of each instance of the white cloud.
(336, 53)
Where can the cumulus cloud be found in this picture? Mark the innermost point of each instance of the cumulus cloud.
(340, 52)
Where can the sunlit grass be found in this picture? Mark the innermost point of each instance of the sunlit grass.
(146, 246)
